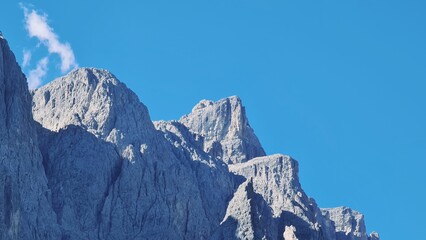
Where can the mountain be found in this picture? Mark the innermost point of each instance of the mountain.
(149, 188)
(224, 127)
(26, 212)
(81, 159)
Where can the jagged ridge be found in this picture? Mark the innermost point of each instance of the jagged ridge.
(100, 169)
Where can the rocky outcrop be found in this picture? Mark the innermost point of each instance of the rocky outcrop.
(374, 236)
(225, 131)
(290, 233)
(276, 179)
(248, 216)
(349, 224)
(94, 166)
(25, 211)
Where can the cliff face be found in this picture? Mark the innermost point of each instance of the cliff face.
(349, 224)
(26, 211)
(147, 186)
(276, 179)
(93, 166)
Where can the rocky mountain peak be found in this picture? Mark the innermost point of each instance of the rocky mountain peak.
(96, 167)
(225, 128)
(92, 76)
(95, 100)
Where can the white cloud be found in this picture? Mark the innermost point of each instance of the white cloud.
(27, 58)
(36, 75)
(37, 26)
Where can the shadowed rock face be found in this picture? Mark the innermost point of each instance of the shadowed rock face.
(94, 166)
(215, 182)
(26, 212)
(80, 169)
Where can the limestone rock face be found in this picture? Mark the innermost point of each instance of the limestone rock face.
(80, 169)
(26, 212)
(290, 233)
(215, 183)
(225, 130)
(248, 216)
(96, 101)
(276, 179)
(349, 224)
(151, 187)
(94, 166)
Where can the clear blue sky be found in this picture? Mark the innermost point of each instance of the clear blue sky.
(338, 85)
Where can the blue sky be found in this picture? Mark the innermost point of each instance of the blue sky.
(338, 85)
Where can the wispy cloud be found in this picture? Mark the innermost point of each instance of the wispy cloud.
(27, 58)
(35, 77)
(37, 26)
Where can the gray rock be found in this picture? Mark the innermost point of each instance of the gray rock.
(80, 169)
(349, 224)
(25, 212)
(374, 236)
(158, 192)
(290, 233)
(215, 183)
(96, 167)
(96, 101)
(248, 216)
(224, 127)
(276, 179)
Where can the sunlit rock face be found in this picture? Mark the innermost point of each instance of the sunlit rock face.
(225, 130)
(275, 178)
(349, 224)
(80, 158)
